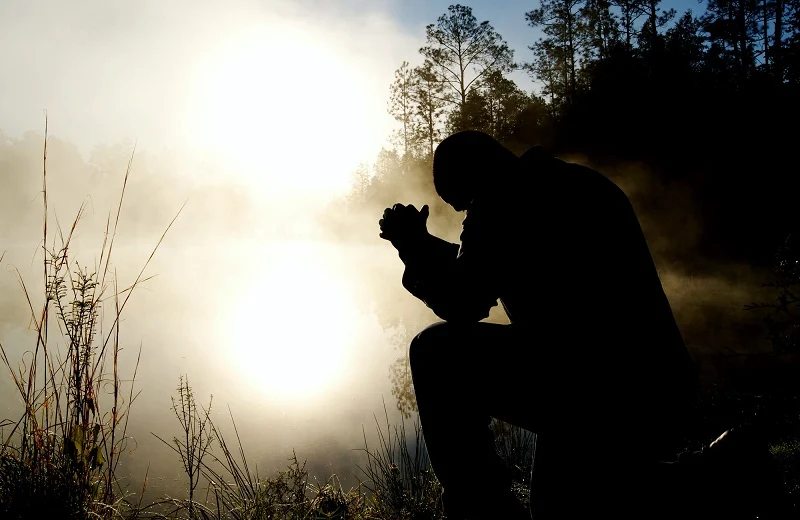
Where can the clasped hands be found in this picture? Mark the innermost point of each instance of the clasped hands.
(404, 225)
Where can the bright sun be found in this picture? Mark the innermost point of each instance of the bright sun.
(283, 108)
(293, 328)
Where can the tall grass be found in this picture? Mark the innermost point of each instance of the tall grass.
(59, 459)
(517, 447)
(195, 440)
(398, 481)
(234, 490)
(399, 475)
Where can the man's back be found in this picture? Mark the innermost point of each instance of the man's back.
(572, 265)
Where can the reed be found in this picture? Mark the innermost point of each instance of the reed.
(59, 458)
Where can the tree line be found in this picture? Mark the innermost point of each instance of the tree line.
(708, 100)
(589, 48)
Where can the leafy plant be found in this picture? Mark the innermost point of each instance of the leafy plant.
(196, 437)
(60, 457)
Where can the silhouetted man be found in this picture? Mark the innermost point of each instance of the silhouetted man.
(592, 360)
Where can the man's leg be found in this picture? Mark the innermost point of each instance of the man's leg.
(589, 444)
(463, 375)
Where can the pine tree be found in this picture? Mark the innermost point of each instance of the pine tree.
(461, 51)
(560, 20)
(429, 105)
(401, 105)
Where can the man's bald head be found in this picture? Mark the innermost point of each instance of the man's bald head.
(468, 162)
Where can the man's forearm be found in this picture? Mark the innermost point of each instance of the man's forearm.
(428, 251)
(432, 275)
(426, 260)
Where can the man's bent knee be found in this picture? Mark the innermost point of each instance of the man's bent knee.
(434, 344)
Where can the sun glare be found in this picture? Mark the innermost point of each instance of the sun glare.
(292, 333)
(284, 109)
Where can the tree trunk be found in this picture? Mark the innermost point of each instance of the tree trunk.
(731, 39)
(765, 9)
(430, 132)
(653, 23)
(571, 56)
(405, 133)
(742, 30)
(492, 125)
(461, 72)
(777, 60)
(602, 28)
(628, 25)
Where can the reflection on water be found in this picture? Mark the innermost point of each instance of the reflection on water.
(281, 332)
(294, 325)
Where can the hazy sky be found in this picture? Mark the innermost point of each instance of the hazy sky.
(183, 74)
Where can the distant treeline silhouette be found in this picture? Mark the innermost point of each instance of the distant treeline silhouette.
(707, 101)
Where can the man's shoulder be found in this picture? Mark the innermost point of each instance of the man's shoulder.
(536, 154)
(574, 178)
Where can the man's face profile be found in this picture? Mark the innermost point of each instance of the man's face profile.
(466, 164)
(453, 178)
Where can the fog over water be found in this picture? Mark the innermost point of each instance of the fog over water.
(254, 304)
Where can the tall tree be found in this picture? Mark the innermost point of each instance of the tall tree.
(561, 23)
(777, 40)
(505, 103)
(401, 104)
(472, 115)
(429, 103)
(548, 67)
(657, 17)
(733, 26)
(767, 12)
(629, 12)
(602, 29)
(789, 52)
(461, 51)
(685, 42)
(497, 108)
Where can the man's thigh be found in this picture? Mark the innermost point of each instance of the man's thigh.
(499, 370)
